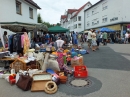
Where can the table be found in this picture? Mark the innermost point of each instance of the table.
(7, 59)
(2, 54)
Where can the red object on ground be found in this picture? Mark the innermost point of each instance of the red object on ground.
(11, 77)
(80, 71)
(12, 82)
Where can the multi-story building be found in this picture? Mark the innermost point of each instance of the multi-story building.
(112, 14)
(24, 11)
(73, 19)
(108, 13)
(18, 10)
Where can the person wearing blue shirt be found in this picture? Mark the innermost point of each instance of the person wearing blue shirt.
(47, 38)
(74, 37)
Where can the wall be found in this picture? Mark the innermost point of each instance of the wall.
(8, 12)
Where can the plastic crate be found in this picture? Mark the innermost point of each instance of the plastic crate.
(80, 71)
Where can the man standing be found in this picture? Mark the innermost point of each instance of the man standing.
(89, 37)
(105, 38)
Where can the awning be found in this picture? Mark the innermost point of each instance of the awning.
(18, 26)
(57, 29)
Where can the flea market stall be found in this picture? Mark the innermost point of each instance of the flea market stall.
(16, 44)
(41, 70)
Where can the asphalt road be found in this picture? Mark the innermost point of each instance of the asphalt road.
(108, 67)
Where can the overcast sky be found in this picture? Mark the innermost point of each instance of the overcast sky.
(51, 10)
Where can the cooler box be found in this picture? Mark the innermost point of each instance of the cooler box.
(80, 71)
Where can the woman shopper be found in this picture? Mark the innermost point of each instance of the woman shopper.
(94, 43)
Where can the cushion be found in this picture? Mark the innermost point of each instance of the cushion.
(53, 64)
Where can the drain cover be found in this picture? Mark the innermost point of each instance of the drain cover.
(80, 86)
(79, 82)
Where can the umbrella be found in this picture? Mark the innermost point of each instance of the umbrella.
(104, 29)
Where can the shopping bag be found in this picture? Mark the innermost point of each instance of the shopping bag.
(24, 82)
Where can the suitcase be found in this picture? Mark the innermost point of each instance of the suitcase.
(80, 71)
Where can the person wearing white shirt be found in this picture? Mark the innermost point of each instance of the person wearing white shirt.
(126, 37)
(89, 37)
(59, 43)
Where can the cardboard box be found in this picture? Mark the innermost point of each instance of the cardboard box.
(77, 61)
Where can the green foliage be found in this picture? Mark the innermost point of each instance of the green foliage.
(58, 24)
(39, 19)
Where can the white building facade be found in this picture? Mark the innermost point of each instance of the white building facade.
(73, 19)
(24, 11)
(108, 13)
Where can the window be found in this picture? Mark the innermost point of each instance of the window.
(87, 14)
(18, 7)
(87, 24)
(75, 26)
(79, 25)
(95, 21)
(114, 19)
(92, 23)
(104, 20)
(104, 6)
(95, 10)
(31, 13)
(92, 12)
(79, 18)
(75, 19)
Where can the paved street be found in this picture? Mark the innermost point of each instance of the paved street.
(109, 72)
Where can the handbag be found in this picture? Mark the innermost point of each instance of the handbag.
(24, 82)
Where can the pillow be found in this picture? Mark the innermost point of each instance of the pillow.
(53, 64)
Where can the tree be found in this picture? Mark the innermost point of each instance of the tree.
(39, 19)
(58, 24)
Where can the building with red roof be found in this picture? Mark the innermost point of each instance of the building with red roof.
(73, 19)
